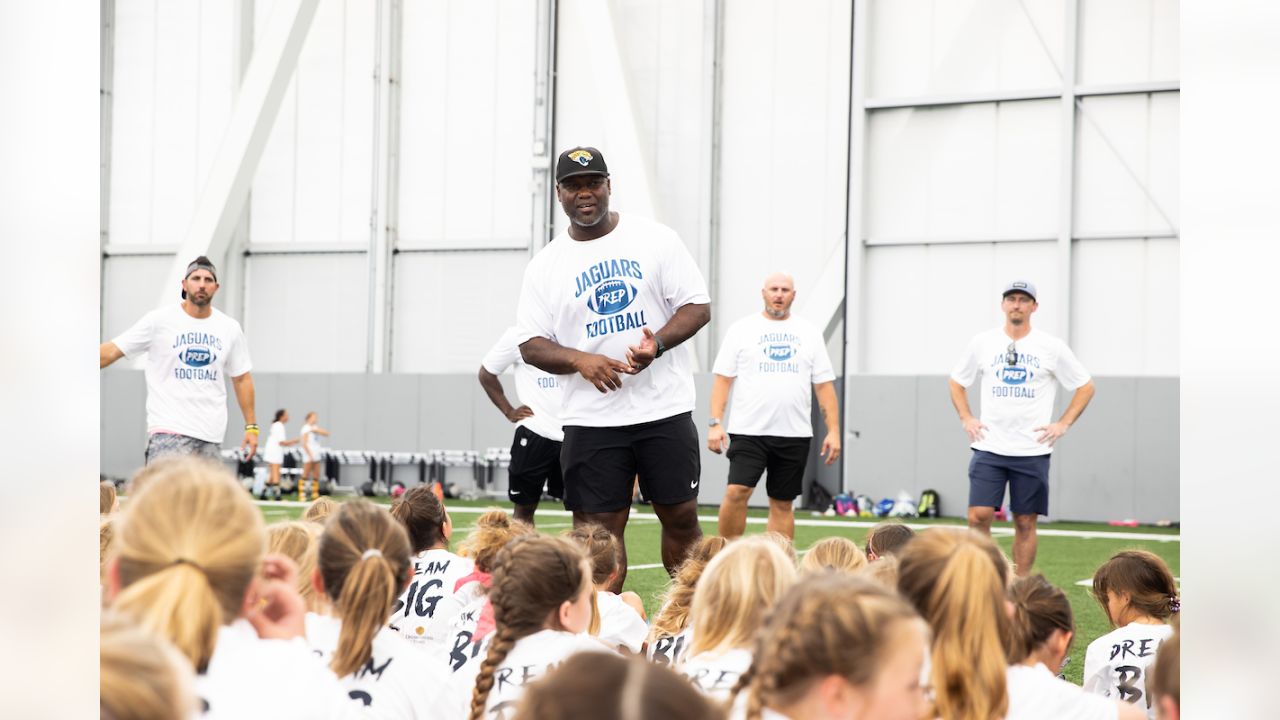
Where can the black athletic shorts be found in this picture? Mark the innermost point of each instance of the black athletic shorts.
(601, 463)
(783, 457)
(535, 463)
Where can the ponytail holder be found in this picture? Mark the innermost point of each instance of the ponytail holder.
(1175, 605)
(185, 561)
(371, 552)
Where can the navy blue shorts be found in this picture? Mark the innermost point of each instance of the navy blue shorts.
(1027, 478)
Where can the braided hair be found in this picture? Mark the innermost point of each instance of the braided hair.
(532, 577)
(828, 623)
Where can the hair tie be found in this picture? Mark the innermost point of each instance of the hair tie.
(1175, 605)
(371, 552)
(192, 563)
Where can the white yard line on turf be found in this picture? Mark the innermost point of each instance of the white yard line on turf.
(1088, 582)
(809, 522)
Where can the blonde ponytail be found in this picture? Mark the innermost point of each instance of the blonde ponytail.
(188, 545)
(363, 559)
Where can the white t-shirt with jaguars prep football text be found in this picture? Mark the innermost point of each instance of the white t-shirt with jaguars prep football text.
(1016, 399)
(538, 389)
(188, 363)
(776, 363)
(598, 296)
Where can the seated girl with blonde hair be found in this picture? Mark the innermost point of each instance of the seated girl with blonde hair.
(735, 593)
(189, 563)
(836, 646)
(669, 635)
(362, 565)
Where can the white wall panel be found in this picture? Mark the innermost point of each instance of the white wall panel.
(664, 52)
(173, 85)
(935, 47)
(1126, 143)
(314, 182)
(1128, 41)
(126, 297)
(466, 124)
(1127, 306)
(784, 147)
(925, 302)
(975, 171)
(307, 313)
(452, 307)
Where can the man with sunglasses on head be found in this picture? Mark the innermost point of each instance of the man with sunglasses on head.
(191, 348)
(1012, 439)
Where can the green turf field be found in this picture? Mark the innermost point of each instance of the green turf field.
(1063, 560)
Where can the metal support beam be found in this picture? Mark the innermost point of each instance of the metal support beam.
(1019, 95)
(235, 263)
(544, 119)
(1067, 160)
(385, 183)
(713, 14)
(855, 251)
(227, 187)
(107, 86)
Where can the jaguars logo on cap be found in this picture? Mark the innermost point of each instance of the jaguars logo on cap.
(582, 157)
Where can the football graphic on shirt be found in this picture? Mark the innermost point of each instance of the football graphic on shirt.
(196, 356)
(1013, 375)
(611, 296)
(778, 352)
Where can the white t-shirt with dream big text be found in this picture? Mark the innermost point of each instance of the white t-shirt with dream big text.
(188, 362)
(1017, 398)
(418, 608)
(538, 389)
(397, 683)
(1035, 694)
(301, 686)
(716, 673)
(775, 363)
(597, 296)
(1116, 664)
(531, 658)
(669, 649)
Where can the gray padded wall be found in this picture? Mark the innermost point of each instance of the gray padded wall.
(1119, 461)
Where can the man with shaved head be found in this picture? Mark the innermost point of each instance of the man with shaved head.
(775, 357)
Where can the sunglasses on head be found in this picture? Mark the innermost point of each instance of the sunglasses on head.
(1011, 355)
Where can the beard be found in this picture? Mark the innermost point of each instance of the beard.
(1017, 320)
(776, 314)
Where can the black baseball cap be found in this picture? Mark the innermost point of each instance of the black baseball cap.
(200, 263)
(580, 161)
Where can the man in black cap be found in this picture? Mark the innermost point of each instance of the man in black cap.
(1020, 370)
(190, 347)
(607, 305)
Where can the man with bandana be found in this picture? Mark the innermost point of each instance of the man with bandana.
(191, 347)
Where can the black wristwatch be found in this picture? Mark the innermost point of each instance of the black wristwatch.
(661, 348)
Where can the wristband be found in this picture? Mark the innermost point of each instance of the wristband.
(661, 348)
(250, 427)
